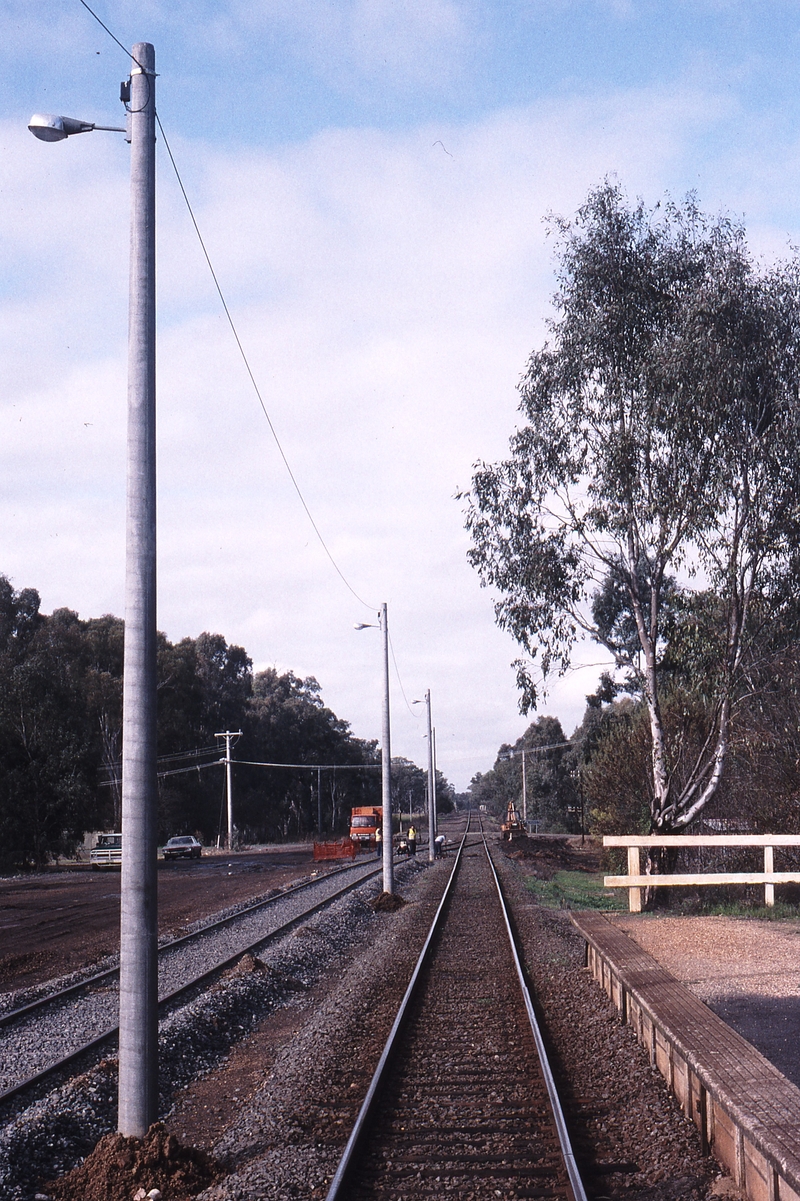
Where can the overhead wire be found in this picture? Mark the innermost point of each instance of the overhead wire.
(247, 366)
(252, 377)
(237, 339)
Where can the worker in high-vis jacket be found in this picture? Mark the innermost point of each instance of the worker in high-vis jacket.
(378, 842)
(412, 840)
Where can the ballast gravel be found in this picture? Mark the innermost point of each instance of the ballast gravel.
(48, 1137)
(36, 1042)
(632, 1141)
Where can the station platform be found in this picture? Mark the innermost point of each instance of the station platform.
(746, 1110)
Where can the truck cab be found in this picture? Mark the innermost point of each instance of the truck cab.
(364, 823)
(107, 851)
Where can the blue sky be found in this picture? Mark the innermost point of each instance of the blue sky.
(372, 180)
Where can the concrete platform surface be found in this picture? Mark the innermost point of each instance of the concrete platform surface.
(746, 970)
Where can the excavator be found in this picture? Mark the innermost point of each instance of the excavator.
(513, 823)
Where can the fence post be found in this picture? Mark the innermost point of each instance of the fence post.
(769, 889)
(634, 894)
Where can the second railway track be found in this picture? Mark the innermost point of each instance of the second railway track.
(43, 1037)
(463, 1103)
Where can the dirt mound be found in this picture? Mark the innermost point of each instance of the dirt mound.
(388, 902)
(247, 964)
(549, 855)
(120, 1167)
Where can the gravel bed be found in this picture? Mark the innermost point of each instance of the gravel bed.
(619, 1110)
(35, 1042)
(51, 1135)
(632, 1141)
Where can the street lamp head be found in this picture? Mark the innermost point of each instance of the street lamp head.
(50, 128)
(362, 625)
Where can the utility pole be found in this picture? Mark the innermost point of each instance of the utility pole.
(319, 801)
(431, 784)
(386, 763)
(138, 978)
(524, 793)
(228, 735)
(435, 814)
(386, 754)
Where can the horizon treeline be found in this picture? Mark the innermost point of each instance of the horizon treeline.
(61, 738)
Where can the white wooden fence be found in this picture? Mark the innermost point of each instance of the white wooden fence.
(635, 881)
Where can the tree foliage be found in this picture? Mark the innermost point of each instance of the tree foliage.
(549, 783)
(61, 738)
(660, 440)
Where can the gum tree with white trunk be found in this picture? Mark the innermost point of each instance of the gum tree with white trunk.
(660, 442)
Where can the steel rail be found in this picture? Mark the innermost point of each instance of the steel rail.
(340, 1177)
(555, 1102)
(336, 1190)
(14, 1015)
(106, 1036)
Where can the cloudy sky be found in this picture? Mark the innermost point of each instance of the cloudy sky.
(371, 178)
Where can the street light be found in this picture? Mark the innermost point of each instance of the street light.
(386, 754)
(138, 989)
(431, 780)
(49, 128)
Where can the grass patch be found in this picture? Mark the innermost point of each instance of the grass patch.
(577, 890)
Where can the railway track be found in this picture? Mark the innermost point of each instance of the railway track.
(463, 1101)
(81, 1019)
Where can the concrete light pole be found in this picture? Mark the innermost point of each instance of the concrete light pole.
(431, 789)
(138, 984)
(386, 755)
(138, 987)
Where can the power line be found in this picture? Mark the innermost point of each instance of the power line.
(237, 339)
(399, 679)
(249, 371)
(310, 766)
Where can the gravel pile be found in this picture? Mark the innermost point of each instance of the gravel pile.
(46, 1036)
(48, 1137)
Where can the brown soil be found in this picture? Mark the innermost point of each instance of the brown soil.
(388, 902)
(120, 1169)
(60, 922)
(555, 854)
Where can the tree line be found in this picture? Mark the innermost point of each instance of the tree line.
(61, 738)
(651, 501)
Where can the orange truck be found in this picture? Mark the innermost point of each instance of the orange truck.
(365, 820)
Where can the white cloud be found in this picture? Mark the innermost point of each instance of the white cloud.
(388, 289)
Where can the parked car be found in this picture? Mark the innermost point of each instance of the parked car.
(183, 847)
(107, 851)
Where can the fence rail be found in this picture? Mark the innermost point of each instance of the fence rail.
(635, 881)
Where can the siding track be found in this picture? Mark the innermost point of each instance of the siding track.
(462, 1103)
(63, 1030)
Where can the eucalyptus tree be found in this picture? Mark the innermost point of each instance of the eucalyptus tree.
(660, 442)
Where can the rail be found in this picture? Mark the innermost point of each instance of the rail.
(340, 1186)
(635, 881)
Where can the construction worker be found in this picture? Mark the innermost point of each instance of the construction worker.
(412, 840)
(378, 842)
(438, 846)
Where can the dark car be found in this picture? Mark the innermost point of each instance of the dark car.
(183, 847)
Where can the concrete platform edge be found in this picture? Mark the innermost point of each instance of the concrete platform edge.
(746, 1111)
